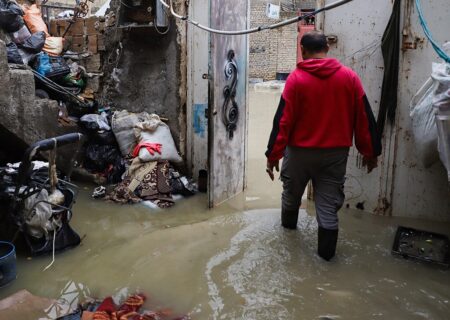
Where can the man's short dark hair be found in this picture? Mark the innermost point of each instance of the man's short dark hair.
(314, 42)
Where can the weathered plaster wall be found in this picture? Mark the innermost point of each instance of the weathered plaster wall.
(146, 71)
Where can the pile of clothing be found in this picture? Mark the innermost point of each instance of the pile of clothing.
(22, 304)
(128, 310)
(136, 151)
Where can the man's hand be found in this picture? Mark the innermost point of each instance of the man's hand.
(370, 162)
(269, 169)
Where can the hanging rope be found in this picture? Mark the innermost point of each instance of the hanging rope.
(441, 53)
(53, 177)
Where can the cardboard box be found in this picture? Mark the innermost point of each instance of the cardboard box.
(77, 48)
(93, 63)
(77, 27)
(91, 24)
(80, 40)
(53, 30)
(92, 44)
(93, 83)
(101, 46)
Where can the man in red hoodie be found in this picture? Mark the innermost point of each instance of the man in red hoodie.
(323, 106)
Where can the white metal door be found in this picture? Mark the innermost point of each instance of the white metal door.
(228, 101)
(197, 102)
(359, 29)
(401, 186)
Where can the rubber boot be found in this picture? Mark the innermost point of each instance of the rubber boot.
(327, 240)
(289, 218)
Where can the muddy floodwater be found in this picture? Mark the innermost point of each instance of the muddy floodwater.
(236, 262)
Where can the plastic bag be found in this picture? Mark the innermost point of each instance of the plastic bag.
(10, 16)
(13, 53)
(122, 124)
(103, 138)
(95, 122)
(162, 136)
(76, 77)
(100, 158)
(43, 66)
(33, 19)
(35, 43)
(441, 103)
(20, 35)
(26, 56)
(423, 114)
(37, 214)
(443, 125)
(423, 123)
(54, 46)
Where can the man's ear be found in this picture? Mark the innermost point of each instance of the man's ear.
(327, 49)
(303, 51)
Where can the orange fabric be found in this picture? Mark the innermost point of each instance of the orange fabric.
(33, 19)
(87, 315)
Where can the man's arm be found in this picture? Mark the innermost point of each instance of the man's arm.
(367, 139)
(282, 126)
(282, 122)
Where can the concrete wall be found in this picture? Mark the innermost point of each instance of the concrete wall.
(146, 71)
(275, 50)
(21, 115)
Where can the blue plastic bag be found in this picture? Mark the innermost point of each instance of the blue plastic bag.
(44, 65)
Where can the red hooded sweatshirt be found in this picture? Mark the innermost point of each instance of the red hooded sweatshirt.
(323, 105)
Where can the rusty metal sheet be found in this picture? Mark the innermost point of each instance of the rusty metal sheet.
(228, 101)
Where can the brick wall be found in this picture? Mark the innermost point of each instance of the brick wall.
(275, 50)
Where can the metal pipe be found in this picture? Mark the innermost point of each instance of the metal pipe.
(43, 145)
(257, 29)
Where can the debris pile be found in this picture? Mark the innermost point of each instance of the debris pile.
(21, 304)
(134, 151)
(37, 199)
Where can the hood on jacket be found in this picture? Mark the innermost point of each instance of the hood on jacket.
(321, 68)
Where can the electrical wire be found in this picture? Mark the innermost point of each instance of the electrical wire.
(256, 29)
(128, 6)
(441, 53)
(53, 252)
(52, 85)
(156, 25)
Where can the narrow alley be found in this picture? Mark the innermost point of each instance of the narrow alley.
(139, 154)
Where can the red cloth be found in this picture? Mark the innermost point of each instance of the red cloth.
(107, 306)
(151, 148)
(133, 303)
(127, 311)
(324, 105)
